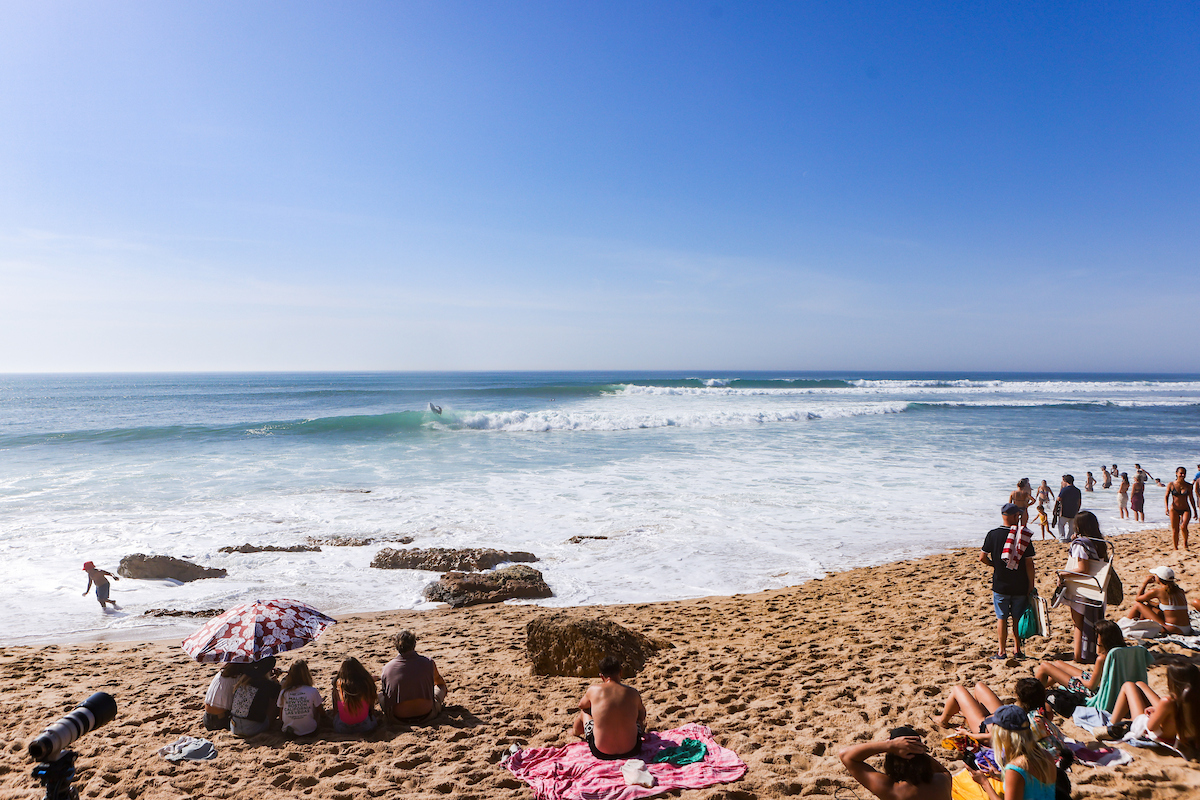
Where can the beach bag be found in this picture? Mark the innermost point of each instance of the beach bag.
(1036, 619)
(1114, 594)
(1064, 701)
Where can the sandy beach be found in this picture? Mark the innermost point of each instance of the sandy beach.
(785, 678)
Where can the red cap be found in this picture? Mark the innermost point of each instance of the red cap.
(88, 565)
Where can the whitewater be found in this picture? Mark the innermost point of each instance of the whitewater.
(690, 484)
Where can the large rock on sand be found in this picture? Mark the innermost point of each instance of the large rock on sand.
(271, 548)
(569, 645)
(443, 559)
(460, 589)
(159, 567)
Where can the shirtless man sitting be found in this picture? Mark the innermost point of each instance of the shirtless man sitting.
(611, 715)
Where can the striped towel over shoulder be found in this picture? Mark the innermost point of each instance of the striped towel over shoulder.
(1014, 546)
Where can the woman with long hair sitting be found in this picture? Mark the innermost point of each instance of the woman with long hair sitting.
(1161, 599)
(354, 696)
(1028, 771)
(1174, 719)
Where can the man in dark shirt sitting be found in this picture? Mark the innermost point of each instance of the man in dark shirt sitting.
(413, 689)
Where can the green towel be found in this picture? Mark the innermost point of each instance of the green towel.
(1120, 665)
(689, 751)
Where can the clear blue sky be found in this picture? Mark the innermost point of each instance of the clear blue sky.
(576, 185)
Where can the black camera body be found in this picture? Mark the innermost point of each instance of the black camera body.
(57, 770)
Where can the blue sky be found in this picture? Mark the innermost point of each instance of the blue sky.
(569, 185)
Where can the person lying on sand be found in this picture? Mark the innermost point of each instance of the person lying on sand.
(611, 715)
(976, 706)
(413, 689)
(909, 772)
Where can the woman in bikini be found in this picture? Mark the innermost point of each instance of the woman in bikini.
(1022, 498)
(1161, 600)
(1137, 498)
(1181, 506)
(1173, 720)
(1044, 494)
(1123, 496)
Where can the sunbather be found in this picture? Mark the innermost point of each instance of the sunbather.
(1174, 719)
(611, 715)
(1159, 598)
(909, 772)
(976, 706)
(1064, 673)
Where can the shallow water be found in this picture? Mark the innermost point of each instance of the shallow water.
(702, 483)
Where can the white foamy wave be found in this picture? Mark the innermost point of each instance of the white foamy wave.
(719, 389)
(542, 421)
(1018, 387)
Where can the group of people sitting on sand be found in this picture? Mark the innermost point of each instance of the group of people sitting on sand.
(246, 699)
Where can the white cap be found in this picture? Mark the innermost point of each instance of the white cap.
(1163, 573)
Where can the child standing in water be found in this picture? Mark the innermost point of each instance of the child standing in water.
(100, 578)
(1042, 520)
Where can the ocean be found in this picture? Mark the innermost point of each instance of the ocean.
(699, 483)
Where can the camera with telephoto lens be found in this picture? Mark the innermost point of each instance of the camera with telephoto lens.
(57, 770)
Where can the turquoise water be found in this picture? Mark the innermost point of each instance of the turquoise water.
(702, 483)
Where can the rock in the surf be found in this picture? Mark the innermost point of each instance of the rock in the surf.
(459, 589)
(152, 568)
(175, 612)
(443, 559)
(271, 548)
(570, 645)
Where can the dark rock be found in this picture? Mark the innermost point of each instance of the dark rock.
(441, 559)
(460, 589)
(578, 539)
(159, 567)
(270, 548)
(175, 612)
(570, 645)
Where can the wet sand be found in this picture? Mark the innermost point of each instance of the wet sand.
(785, 678)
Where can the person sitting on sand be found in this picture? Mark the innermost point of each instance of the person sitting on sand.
(219, 697)
(611, 716)
(300, 705)
(254, 698)
(354, 695)
(976, 706)
(413, 689)
(1028, 771)
(1173, 720)
(100, 578)
(1062, 673)
(909, 772)
(1161, 600)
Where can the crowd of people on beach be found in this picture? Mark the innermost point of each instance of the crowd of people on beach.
(247, 699)
(1015, 751)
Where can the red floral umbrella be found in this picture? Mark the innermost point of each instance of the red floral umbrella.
(252, 631)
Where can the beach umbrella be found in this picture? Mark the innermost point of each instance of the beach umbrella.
(252, 631)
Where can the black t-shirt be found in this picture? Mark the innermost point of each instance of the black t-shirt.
(1012, 582)
(1070, 497)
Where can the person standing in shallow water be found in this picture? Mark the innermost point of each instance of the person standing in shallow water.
(1107, 478)
(1090, 483)
(1181, 507)
(1022, 498)
(1123, 496)
(1137, 498)
(99, 577)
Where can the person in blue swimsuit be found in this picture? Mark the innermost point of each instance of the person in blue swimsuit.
(1028, 771)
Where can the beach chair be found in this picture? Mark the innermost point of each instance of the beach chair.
(1090, 586)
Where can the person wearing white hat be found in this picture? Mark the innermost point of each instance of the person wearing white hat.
(1161, 599)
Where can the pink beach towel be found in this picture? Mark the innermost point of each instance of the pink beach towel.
(573, 773)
